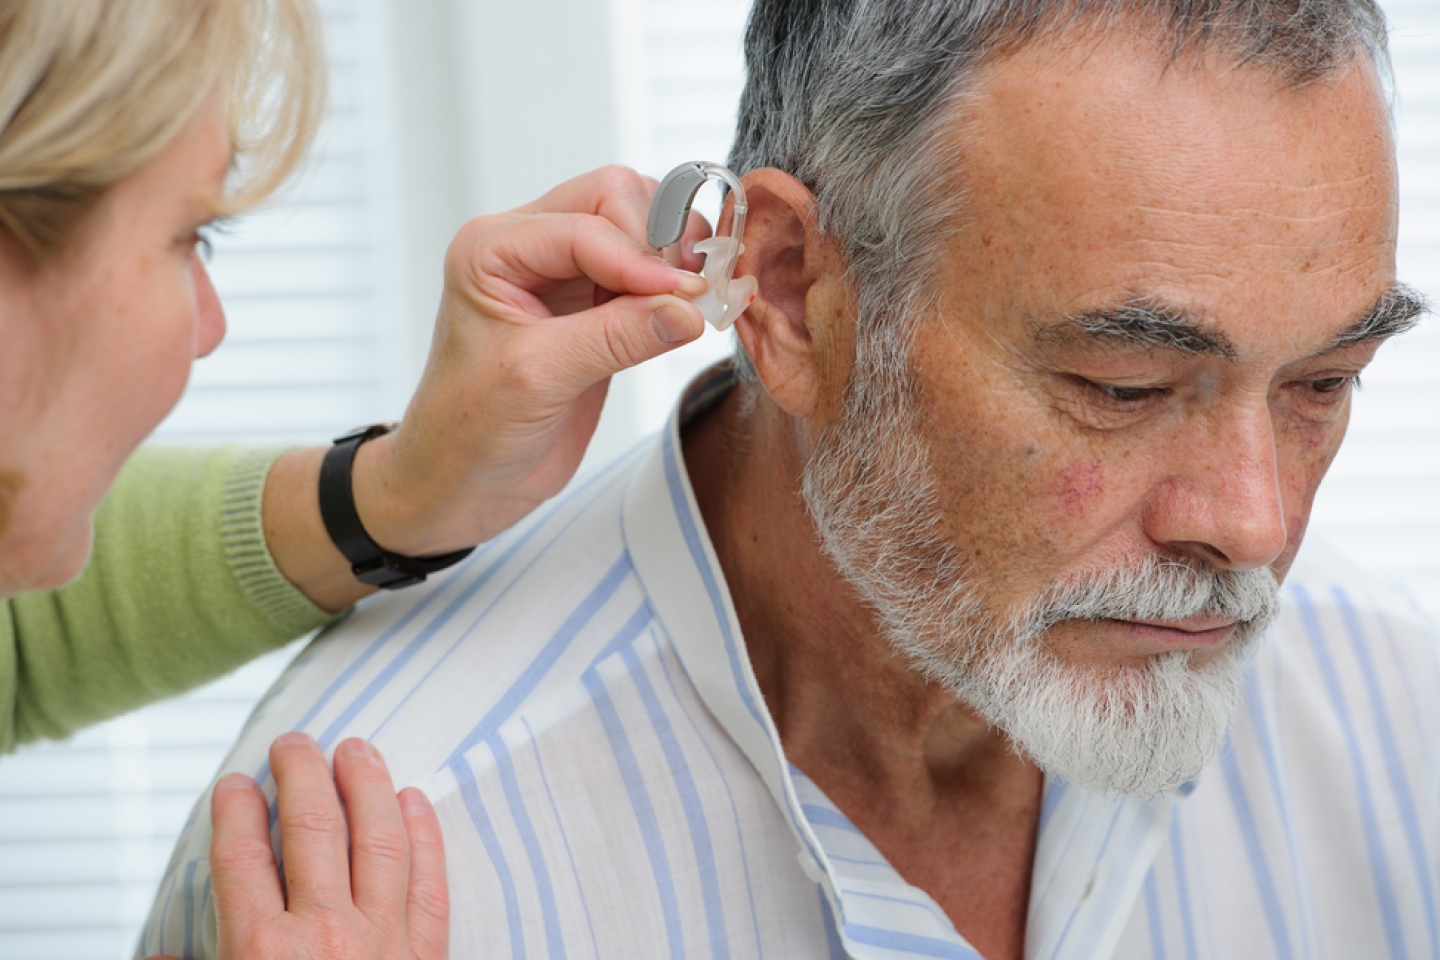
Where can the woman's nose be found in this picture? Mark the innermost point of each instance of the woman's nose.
(210, 319)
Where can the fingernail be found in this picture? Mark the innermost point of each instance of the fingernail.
(690, 284)
(671, 324)
(359, 749)
(412, 801)
(295, 739)
(235, 781)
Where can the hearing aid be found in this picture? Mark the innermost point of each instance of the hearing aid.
(728, 296)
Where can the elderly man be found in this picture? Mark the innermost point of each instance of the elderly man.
(916, 632)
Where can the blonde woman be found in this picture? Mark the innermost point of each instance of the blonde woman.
(126, 126)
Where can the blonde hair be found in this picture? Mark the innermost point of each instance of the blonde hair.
(92, 90)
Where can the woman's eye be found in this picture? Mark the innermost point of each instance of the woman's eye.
(203, 245)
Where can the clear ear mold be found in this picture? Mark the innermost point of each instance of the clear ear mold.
(728, 295)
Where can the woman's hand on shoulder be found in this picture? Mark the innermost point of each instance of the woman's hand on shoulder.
(372, 889)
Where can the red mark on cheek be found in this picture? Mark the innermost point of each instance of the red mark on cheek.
(1079, 483)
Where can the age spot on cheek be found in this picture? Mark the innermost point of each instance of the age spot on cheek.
(1079, 484)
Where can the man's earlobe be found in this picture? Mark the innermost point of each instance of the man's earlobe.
(786, 330)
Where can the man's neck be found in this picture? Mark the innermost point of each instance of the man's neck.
(938, 791)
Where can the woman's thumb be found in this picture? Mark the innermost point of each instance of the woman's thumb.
(627, 331)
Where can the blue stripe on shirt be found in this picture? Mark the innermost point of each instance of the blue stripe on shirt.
(1369, 819)
(693, 544)
(910, 943)
(190, 908)
(1260, 723)
(478, 618)
(644, 810)
(475, 806)
(536, 669)
(702, 566)
(1255, 853)
(516, 542)
(564, 834)
(1394, 769)
(1182, 892)
(826, 817)
(729, 798)
(544, 891)
(1152, 918)
(689, 801)
(832, 934)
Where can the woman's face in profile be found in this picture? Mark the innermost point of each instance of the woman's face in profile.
(96, 347)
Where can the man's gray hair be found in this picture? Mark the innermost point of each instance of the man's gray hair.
(852, 98)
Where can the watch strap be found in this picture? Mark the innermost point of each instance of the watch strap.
(371, 563)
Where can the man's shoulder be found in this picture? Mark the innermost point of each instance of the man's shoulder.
(418, 672)
(1328, 591)
(1359, 656)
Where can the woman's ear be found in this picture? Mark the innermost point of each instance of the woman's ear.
(798, 323)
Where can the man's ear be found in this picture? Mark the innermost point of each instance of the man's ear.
(796, 330)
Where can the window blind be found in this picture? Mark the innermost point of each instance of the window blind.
(679, 73)
(1381, 501)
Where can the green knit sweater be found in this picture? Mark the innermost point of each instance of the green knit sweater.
(180, 589)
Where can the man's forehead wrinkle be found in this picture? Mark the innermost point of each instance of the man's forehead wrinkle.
(1233, 213)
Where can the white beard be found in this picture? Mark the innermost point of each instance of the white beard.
(1139, 730)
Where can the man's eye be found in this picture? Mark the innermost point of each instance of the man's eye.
(1125, 395)
(1334, 384)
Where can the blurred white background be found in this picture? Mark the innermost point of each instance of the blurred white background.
(446, 109)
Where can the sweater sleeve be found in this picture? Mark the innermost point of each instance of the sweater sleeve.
(180, 589)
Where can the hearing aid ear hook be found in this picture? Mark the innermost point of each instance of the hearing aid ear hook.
(727, 297)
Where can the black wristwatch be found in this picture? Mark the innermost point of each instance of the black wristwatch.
(371, 563)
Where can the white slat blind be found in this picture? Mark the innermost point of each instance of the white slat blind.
(1381, 502)
(309, 283)
(87, 826)
(679, 72)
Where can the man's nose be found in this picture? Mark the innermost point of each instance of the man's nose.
(1224, 501)
(210, 318)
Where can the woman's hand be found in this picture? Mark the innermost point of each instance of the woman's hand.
(542, 305)
(385, 898)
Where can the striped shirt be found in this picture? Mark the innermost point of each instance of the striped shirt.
(577, 702)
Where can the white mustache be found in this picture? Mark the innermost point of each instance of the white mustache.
(1157, 589)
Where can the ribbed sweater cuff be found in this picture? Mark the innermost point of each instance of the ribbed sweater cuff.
(243, 537)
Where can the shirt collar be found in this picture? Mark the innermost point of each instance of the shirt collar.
(1094, 850)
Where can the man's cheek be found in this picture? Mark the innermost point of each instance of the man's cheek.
(1080, 484)
(1304, 461)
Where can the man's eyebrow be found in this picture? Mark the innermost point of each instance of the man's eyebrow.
(1145, 322)
(1400, 309)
